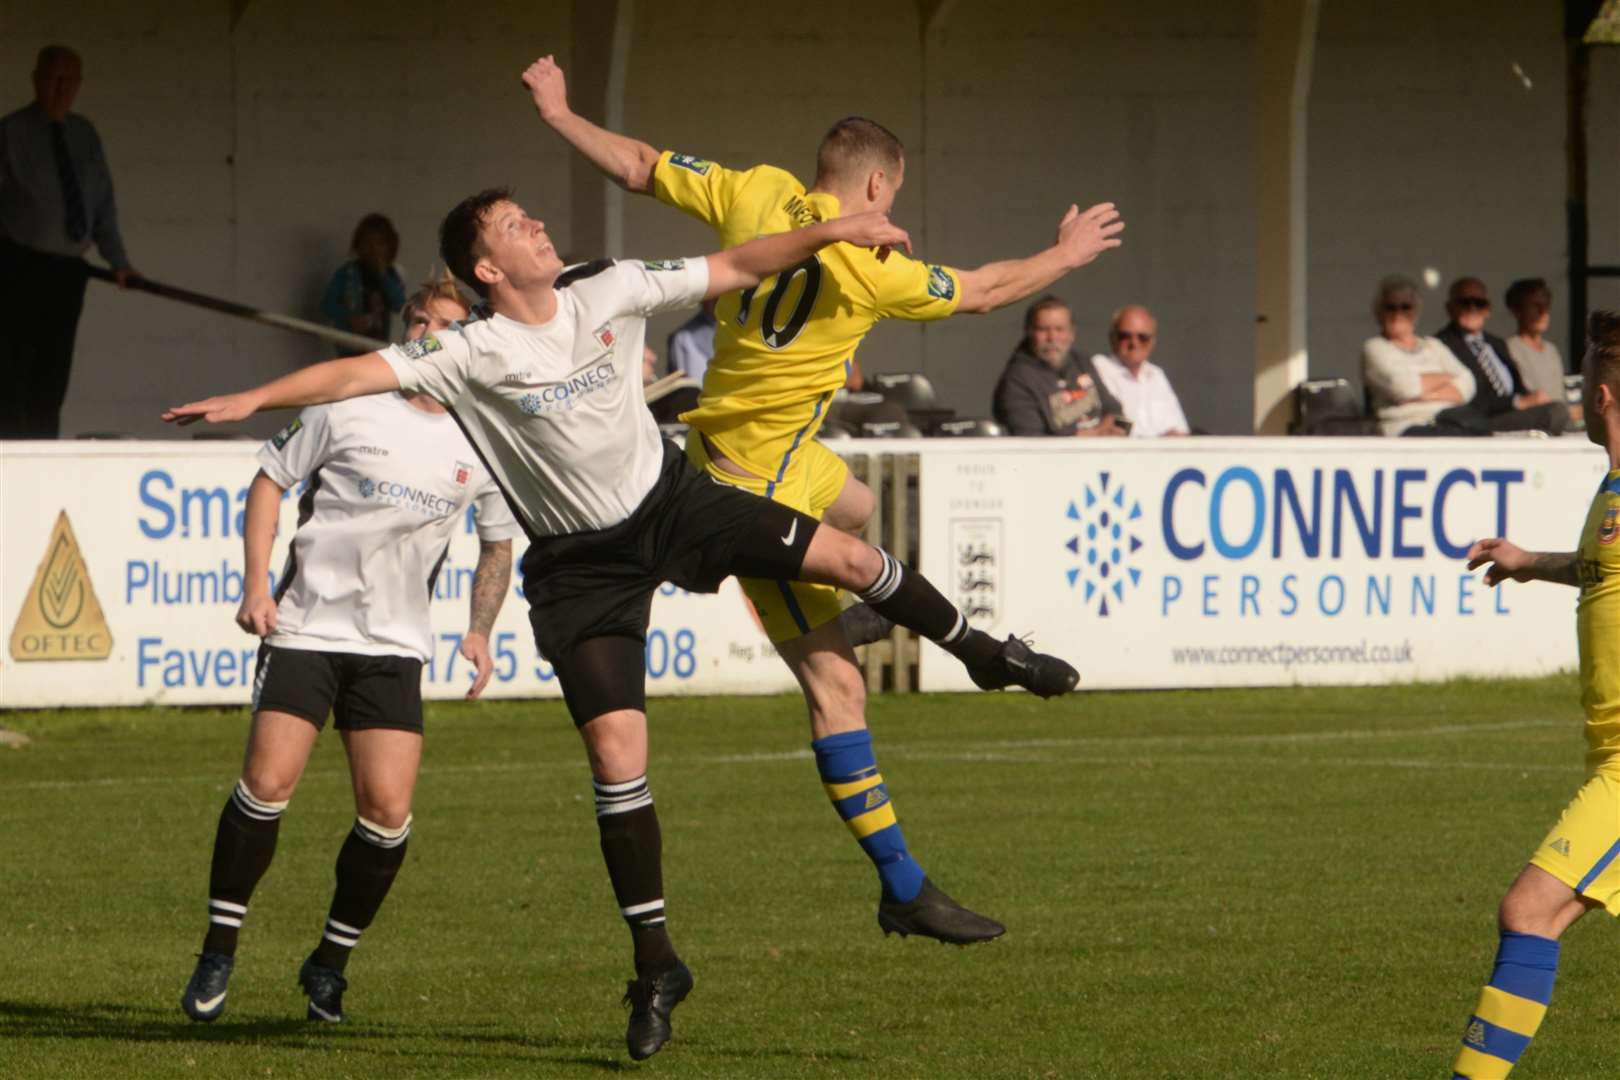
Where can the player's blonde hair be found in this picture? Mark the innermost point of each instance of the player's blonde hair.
(443, 287)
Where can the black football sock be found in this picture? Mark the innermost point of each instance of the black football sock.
(367, 864)
(244, 844)
(632, 846)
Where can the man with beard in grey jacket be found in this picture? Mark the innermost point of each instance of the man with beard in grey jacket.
(1049, 389)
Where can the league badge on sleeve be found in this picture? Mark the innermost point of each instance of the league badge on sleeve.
(941, 286)
(280, 439)
(663, 264)
(419, 348)
(1609, 528)
(691, 164)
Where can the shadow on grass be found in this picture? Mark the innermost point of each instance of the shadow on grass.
(114, 1022)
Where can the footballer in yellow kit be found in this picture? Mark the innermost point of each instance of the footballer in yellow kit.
(1582, 849)
(782, 350)
(1576, 868)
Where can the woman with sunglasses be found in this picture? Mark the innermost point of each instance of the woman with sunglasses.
(1415, 386)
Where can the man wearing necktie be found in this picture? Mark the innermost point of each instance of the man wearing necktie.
(56, 197)
(1500, 393)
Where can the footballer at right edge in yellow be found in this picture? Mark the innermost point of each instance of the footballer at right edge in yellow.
(1577, 867)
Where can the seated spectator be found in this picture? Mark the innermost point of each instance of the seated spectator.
(365, 292)
(1142, 387)
(1540, 364)
(1500, 393)
(1414, 385)
(691, 346)
(1049, 389)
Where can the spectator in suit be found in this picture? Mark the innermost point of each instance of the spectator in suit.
(1049, 389)
(1540, 364)
(1500, 392)
(1415, 386)
(56, 197)
(1141, 386)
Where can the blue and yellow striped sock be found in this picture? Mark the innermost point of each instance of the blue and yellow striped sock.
(849, 773)
(1510, 1008)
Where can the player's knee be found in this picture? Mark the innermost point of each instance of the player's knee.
(1522, 913)
(384, 812)
(852, 564)
(268, 784)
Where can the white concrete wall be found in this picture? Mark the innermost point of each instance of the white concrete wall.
(244, 153)
(1430, 153)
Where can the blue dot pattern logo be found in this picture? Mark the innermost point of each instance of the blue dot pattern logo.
(366, 487)
(1107, 536)
(530, 403)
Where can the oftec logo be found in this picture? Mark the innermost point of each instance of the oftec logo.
(1108, 525)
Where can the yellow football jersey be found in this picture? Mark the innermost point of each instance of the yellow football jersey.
(1597, 622)
(781, 350)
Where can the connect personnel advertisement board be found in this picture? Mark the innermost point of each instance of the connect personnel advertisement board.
(1256, 562)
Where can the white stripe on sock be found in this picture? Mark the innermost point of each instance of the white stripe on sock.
(958, 632)
(637, 909)
(605, 809)
(225, 920)
(343, 928)
(616, 789)
(347, 943)
(226, 905)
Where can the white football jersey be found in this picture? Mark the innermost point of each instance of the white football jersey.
(557, 411)
(387, 485)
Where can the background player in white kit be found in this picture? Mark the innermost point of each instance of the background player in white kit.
(548, 391)
(390, 477)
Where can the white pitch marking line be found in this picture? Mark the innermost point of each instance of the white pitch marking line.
(992, 750)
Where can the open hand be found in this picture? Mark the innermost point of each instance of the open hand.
(872, 229)
(1084, 236)
(547, 86)
(475, 647)
(226, 409)
(1508, 561)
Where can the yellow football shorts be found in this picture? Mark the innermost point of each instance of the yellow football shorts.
(809, 481)
(1583, 849)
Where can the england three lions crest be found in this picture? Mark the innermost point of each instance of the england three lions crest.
(977, 559)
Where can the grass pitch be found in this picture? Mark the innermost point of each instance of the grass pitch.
(1282, 883)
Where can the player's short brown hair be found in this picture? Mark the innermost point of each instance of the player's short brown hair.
(458, 235)
(1603, 338)
(856, 146)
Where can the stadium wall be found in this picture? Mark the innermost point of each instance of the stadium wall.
(247, 138)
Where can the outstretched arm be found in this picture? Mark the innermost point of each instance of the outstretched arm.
(334, 380)
(1081, 238)
(746, 265)
(627, 162)
(1509, 561)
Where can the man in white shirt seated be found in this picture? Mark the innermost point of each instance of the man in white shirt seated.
(1141, 387)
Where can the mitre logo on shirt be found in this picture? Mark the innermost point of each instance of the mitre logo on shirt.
(566, 395)
(604, 335)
